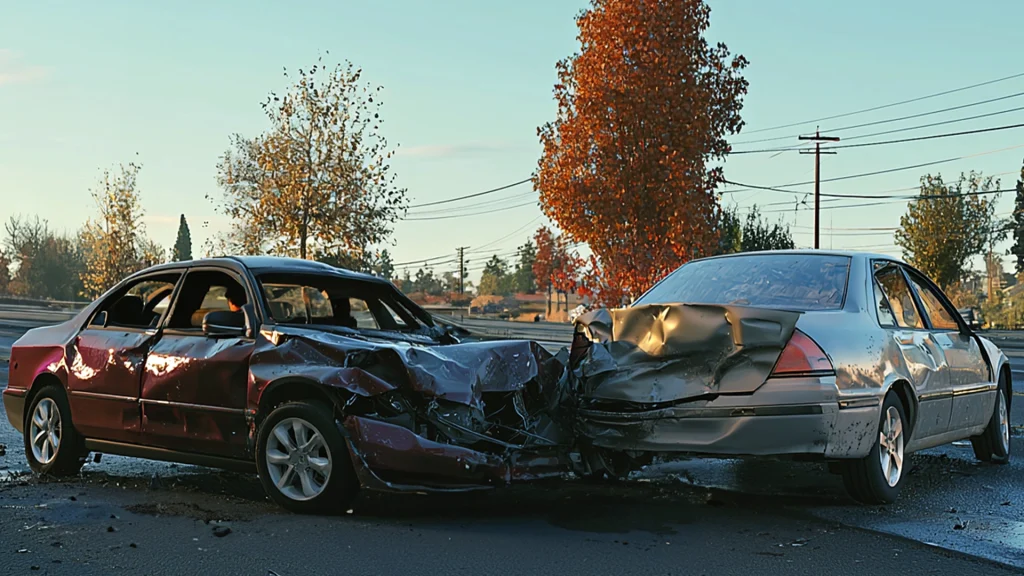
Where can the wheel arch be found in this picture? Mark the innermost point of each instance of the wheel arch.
(908, 397)
(293, 388)
(1005, 370)
(42, 380)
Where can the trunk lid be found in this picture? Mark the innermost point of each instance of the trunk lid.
(664, 353)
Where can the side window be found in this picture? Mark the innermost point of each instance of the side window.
(897, 293)
(885, 316)
(938, 315)
(362, 315)
(205, 291)
(292, 304)
(140, 305)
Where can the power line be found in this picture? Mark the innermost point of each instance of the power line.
(534, 203)
(906, 117)
(899, 141)
(880, 197)
(451, 209)
(468, 196)
(890, 105)
(864, 174)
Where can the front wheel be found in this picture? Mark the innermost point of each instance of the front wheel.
(878, 477)
(52, 445)
(993, 445)
(302, 459)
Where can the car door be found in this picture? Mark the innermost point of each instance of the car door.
(972, 387)
(107, 356)
(922, 352)
(194, 386)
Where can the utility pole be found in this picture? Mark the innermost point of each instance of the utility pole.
(461, 251)
(818, 139)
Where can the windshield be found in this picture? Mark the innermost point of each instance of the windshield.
(329, 300)
(790, 281)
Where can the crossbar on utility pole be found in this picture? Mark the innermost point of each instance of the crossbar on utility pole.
(818, 139)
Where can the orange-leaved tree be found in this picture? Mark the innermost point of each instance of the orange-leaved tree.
(643, 110)
(555, 266)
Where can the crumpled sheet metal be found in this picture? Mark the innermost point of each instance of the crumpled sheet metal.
(671, 352)
(459, 373)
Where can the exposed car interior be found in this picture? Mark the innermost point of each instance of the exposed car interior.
(141, 305)
(203, 292)
(328, 300)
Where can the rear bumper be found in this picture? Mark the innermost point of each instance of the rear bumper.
(14, 405)
(784, 417)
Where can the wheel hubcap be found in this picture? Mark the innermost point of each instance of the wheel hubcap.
(45, 431)
(890, 446)
(1004, 422)
(298, 461)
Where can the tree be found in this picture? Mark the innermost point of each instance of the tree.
(45, 264)
(643, 109)
(730, 232)
(319, 179)
(555, 268)
(760, 235)
(5, 273)
(114, 244)
(385, 266)
(183, 243)
(495, 278)
(1017, 223)
(948, 224)
(524, 280)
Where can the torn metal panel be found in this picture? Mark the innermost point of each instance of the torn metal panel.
(460, 373)
(665, 353)
(388, 449)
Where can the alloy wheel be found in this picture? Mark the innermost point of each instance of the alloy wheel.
(1004, 423)
(298, 460)
(890, 446)
(45, 431)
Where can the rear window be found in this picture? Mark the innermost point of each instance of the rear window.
(789, 281)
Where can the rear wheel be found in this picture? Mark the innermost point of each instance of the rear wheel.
(993, 445)
(52, 445)
(878, 477)
(302, 459)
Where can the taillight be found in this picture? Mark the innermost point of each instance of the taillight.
(802, 356)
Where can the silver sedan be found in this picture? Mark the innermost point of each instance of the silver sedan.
(855, 359)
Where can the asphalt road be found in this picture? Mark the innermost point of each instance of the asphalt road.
(699, 516)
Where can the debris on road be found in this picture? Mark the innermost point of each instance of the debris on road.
(961, 524)
(221, 531)
(3, 449)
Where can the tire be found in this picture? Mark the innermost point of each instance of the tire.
(993, 445)
(52, 445)
(870, 479)
(313, 481)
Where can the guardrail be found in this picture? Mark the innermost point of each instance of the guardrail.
(40, 303)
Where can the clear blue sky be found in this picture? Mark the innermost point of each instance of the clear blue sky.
(85, 86)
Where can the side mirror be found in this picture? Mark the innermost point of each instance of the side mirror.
(224, 323)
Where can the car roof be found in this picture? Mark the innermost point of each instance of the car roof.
(811, 252)
(269, 264)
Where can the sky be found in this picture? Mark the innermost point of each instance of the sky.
(85, 86)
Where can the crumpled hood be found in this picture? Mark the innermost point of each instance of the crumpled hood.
(670, 352)
(459, 373)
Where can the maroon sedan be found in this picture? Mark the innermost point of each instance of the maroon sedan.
(320, 379)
